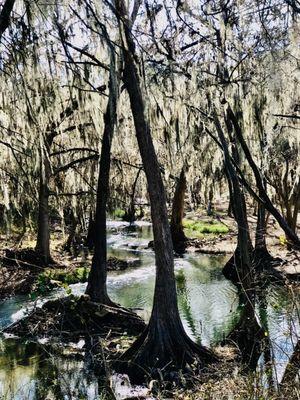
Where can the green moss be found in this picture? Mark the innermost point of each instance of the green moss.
(198, 229)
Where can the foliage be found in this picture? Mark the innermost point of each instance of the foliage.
(60, 277)
(198, 228)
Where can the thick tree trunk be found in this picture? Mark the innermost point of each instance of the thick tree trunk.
(260, 234)
(292, 236)
(262, 257)
(177, 232)
(90, 237)
(97, 288)
(164, 342)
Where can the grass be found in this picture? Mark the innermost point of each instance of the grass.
(118, 213)
(199, 229)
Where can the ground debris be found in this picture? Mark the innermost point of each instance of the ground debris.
(73, 317)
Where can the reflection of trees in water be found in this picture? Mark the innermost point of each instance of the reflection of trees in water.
(247, 335)
(267, 344)
(212, 293)
(292, 368)
(48, 375)
(207, 267)
(185, 306)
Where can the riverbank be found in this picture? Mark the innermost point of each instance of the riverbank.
(22, 271)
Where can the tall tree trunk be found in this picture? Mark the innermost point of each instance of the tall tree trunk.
(177, 231)
(239, 268)
(97, 288)
(164, 342)
(247, 334)
(43, 232)
(69, 244)
(292, 236)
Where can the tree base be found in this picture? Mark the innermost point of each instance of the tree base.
(160, 352)
(263, 260)
(231, 268)
(263, 263)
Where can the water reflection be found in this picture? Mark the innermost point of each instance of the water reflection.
(31, 371)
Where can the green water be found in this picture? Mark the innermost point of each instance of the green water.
(208, 307)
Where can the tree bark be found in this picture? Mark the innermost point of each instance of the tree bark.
(164, 342)
(97, 288)
(177, 232)
(239, 268)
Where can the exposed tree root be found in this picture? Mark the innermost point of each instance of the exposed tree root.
(72, 317)
(161, 351)
(263, 260)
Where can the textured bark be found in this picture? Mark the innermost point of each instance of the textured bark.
(177, 231)
(164, 342)
(97, 288)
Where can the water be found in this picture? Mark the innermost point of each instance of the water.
(208, 307)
